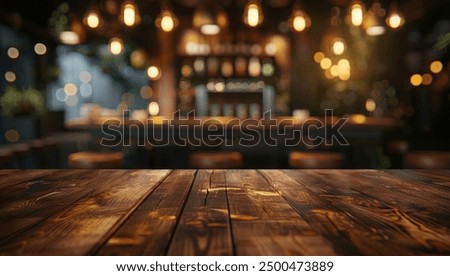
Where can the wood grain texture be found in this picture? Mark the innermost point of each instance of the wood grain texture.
(31, 202)
(225, 212)
(263, 223)
(204, 227)
(387, 228)
(82, 226)
(149, 229)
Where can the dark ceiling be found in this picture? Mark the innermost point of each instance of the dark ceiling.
(38, 12)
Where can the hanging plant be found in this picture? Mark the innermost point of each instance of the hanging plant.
(15, 102)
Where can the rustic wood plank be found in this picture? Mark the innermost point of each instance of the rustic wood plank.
(35, 186)
(440, 178)
(18, 177)
(404, 234)
(335, 225)
(35, 201)
(263, 223)
(149, 229)
(412, 196)
(204, 227)
(4, 172)
(78, 229)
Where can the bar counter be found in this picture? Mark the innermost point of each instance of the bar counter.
(225, 212)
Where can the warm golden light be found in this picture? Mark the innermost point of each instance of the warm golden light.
(116, 46)
(138, 58)
(373, 20)
(357, 14)
(344, 76)
(130, 13)
(153, 72)
(40, 49)
(210, 18)
(13, 53)
(338, 47)
(344, 69)
(334, 70)
(70, 89)
(427, 79)
(416, 80)
(359, 118)
(371, 105)
(343, 64)
(436, 67)
(299, 20)
(93, 20)
(253, 15)
(299, 23)
(69, 37)
(10, 76)
(318, 56)
(325, 63)
(254, 67)
(395, 20)
(153, 109)
(167, 21)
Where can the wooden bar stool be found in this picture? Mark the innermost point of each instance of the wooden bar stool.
(96, 160)
(6, 157)
(396, 150)
(427, 160)
(316, 160)
(215, 160)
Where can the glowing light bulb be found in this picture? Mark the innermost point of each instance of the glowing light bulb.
(153, 72)
(357, 14)
(416, 80)
(153, 108)
(92, 20)
(299, 23)
(436, 67)
(166, 21)
(395, 20)
(338, 47)
(130, 14)
(116, 46)
(253, 14)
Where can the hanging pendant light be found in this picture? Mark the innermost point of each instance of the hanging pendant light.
(92, 17)
(299, 20)
(333, 41)
(116, 46)
(166, 21)
(74, 33)
(355, 13)
(129, 14)
(210, 18)
(373, 21)
(253, 15)
(394, 18)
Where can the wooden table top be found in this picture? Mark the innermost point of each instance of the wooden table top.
(225, 212)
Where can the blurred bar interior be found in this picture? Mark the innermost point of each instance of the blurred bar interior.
(68, 66)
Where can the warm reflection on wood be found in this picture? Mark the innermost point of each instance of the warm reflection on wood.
(225, 212)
